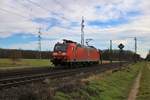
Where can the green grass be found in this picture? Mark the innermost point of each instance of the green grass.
(144, 90)
(113, 86)
(22, 63)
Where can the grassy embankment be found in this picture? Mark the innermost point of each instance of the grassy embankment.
(144, 90)
(108, 86)
(23, 63)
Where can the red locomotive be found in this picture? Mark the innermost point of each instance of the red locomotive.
(71, 53)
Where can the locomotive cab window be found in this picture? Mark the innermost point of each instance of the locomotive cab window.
(60, 47)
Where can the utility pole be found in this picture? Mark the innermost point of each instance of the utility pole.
(135, 44)
(39, 42)
(135, 39)
(135, 47)
(82, 31)
(110, 56)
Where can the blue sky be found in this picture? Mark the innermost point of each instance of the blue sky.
(105, 20)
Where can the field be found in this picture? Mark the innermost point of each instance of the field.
(22, 63)
(144, 90)
(109, 86)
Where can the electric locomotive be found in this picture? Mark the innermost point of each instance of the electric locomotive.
(72, 53)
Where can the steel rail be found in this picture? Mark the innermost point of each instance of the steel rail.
(19, 80)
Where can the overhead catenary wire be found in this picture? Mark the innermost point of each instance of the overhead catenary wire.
(36, 4)
(28, 18)
(18, 10)
(31, 10)
(52, 12)
(4, 10)
(17, 14)
(62, 6)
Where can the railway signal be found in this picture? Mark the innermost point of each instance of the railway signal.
(120, 46)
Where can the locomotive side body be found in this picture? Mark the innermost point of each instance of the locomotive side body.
(87, 54)
(70, 52)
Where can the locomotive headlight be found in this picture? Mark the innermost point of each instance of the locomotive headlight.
(63, 54)
(54, 54)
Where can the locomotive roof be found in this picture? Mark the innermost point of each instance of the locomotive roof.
(91, 46)
(68, 41)
(78, 44)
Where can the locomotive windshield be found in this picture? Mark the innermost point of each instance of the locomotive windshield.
(60, 47)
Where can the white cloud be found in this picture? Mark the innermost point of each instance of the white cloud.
(73, 10)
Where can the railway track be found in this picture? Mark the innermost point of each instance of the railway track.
(20, 80)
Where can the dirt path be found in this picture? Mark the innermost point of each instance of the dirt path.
(135, 87)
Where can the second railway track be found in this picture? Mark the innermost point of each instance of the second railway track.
(19, 80)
